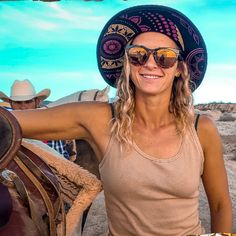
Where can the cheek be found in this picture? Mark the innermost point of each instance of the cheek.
(134, 72)
(32, 105)
(172, 72)
(15, 107)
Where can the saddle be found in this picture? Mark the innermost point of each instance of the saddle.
(41, 192)
(32, 199)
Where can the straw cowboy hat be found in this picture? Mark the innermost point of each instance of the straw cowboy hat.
(23, 91)
(122, 28)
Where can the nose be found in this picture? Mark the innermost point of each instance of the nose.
(151, 63)
(24, 106)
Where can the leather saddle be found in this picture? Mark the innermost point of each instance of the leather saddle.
(30, 194)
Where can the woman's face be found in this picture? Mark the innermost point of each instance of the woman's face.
(150, 78)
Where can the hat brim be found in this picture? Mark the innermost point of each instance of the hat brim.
(42, 95)
(4, 97)
(127, 24)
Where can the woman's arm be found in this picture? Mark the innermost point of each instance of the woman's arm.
(69, 121)
(215, 177)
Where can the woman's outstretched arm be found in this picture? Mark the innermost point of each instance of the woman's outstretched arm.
(67, 121)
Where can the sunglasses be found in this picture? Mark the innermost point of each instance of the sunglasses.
(164, 57)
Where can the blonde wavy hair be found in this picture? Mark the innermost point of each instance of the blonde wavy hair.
(181, 103)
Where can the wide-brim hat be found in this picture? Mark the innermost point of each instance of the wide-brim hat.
(23, 91)
(127, 24)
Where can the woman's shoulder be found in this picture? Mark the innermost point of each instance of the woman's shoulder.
(95, 118)
(207, 130)
(93, 114)
(205, 123)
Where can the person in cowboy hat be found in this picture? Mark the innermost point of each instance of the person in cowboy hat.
(153, 149)
(23, 95)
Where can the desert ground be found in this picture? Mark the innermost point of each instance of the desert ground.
(224, 116)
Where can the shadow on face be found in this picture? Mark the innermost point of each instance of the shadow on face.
(24, 105)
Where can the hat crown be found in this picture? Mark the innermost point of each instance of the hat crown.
(22, 89)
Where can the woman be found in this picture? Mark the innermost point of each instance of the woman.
(151, 157)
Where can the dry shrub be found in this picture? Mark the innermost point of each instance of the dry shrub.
(227, 117)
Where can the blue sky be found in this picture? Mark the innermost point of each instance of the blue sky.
(54, 44)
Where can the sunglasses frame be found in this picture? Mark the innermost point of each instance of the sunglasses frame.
(154, 53)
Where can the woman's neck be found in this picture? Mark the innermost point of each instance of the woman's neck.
(152, 111)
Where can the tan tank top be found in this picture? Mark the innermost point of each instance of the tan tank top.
(145, 195)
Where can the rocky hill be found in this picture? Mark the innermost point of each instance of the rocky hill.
(223, 107)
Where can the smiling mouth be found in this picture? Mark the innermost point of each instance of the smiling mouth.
(151, 76)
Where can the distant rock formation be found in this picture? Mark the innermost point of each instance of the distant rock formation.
(223, 107)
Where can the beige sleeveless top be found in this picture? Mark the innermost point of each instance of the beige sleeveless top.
(145, 195)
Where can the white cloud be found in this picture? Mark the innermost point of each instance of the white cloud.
(60, 13)
(44, 25)
(27, 25)
(75, 17)
(21, 19)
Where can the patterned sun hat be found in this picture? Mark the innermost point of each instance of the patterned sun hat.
(127, 24)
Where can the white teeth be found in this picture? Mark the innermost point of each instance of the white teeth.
(151, 76)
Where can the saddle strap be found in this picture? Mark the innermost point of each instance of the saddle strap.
(43, 173)
(26, 199)
(48, 179)
(43, 192)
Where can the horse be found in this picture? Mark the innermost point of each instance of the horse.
(83, 95)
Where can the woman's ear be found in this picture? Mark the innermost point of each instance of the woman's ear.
(178, 69)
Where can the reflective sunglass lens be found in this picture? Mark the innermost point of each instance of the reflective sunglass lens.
(166, 58)
(137, 55)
